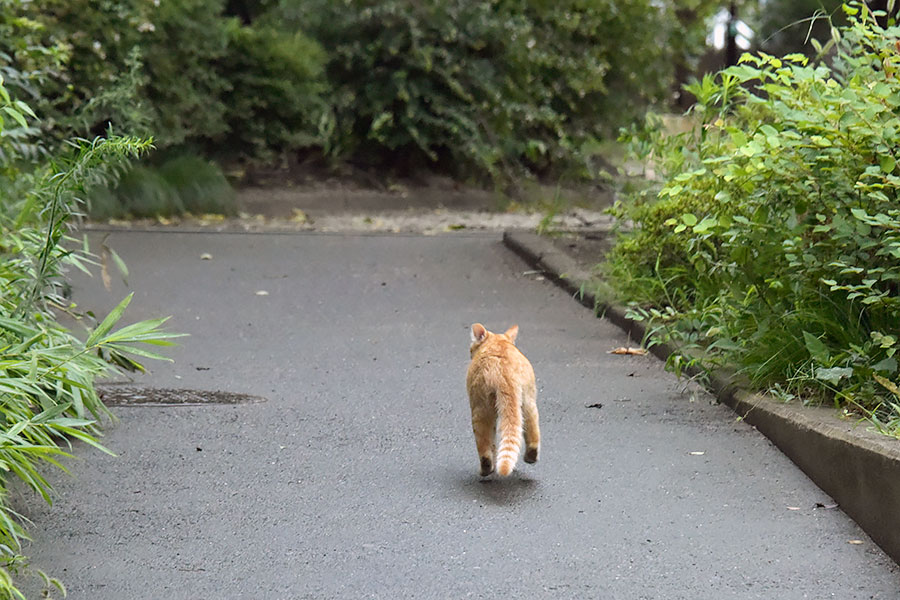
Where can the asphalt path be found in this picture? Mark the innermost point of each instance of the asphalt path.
(358, 476)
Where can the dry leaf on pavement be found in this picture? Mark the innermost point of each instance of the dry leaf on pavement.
(632, 351)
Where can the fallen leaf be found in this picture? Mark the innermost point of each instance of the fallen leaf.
(855, 542)
(697, 453)
(632, 351)
(793, 508)
(299, 216)
(206, 256)
(104, 268)
(595, 405)
(826, 506)
(262, 293)
(888, 384)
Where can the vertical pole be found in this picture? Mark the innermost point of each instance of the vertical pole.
(731, 49)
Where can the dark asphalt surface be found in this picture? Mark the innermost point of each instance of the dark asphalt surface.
(358, 478)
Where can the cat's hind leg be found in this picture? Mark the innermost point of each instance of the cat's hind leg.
(484, 427)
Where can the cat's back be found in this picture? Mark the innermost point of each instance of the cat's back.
(499, 361)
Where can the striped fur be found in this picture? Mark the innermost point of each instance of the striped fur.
(502, 396)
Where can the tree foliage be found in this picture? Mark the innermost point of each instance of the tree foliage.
(499, 87)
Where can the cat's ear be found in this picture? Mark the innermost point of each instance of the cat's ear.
(478, 332)
(512, 332)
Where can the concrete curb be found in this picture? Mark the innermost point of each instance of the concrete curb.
(858, 468)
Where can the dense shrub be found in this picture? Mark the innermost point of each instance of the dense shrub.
(184, 72)
(274, 102)
(96, 43)
(136, 67)
(773, 238)
(25, 66)
(181, 184)
(183, 87)
(141, 66)
(499, 87)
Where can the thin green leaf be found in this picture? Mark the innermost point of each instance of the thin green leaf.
(25, 109)
(84, 437)
(16, 115)
(120, 264)
(110, 320)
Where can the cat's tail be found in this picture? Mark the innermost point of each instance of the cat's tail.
(509, 411)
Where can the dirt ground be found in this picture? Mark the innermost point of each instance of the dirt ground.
(431, 206)
(575, 219)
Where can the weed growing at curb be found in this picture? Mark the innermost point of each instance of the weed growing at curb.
(771, 241)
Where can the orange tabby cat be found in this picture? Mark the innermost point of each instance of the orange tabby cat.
(502, 395)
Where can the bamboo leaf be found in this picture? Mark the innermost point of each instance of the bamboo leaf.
(16, 115)
(138, 352)
(120, 264)
(84, 437)
(50, 414)
(110, 320)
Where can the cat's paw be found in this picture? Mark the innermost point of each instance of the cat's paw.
(531, 455)
(487, 466)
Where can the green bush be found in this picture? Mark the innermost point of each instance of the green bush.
(183, 87)
(500, 88)
(182, 184)
(25, 66)
(772, 241)
(141, 66)
(143, 192)
(274, 102)
(496, 88)
(95, 44)
(200, 185)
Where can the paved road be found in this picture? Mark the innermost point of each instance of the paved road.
(358, 477)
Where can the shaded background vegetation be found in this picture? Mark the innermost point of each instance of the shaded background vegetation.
(483, 91)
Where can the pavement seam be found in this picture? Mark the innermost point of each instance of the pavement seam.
(858, 468)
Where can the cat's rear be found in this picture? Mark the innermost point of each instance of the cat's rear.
(502, 396)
